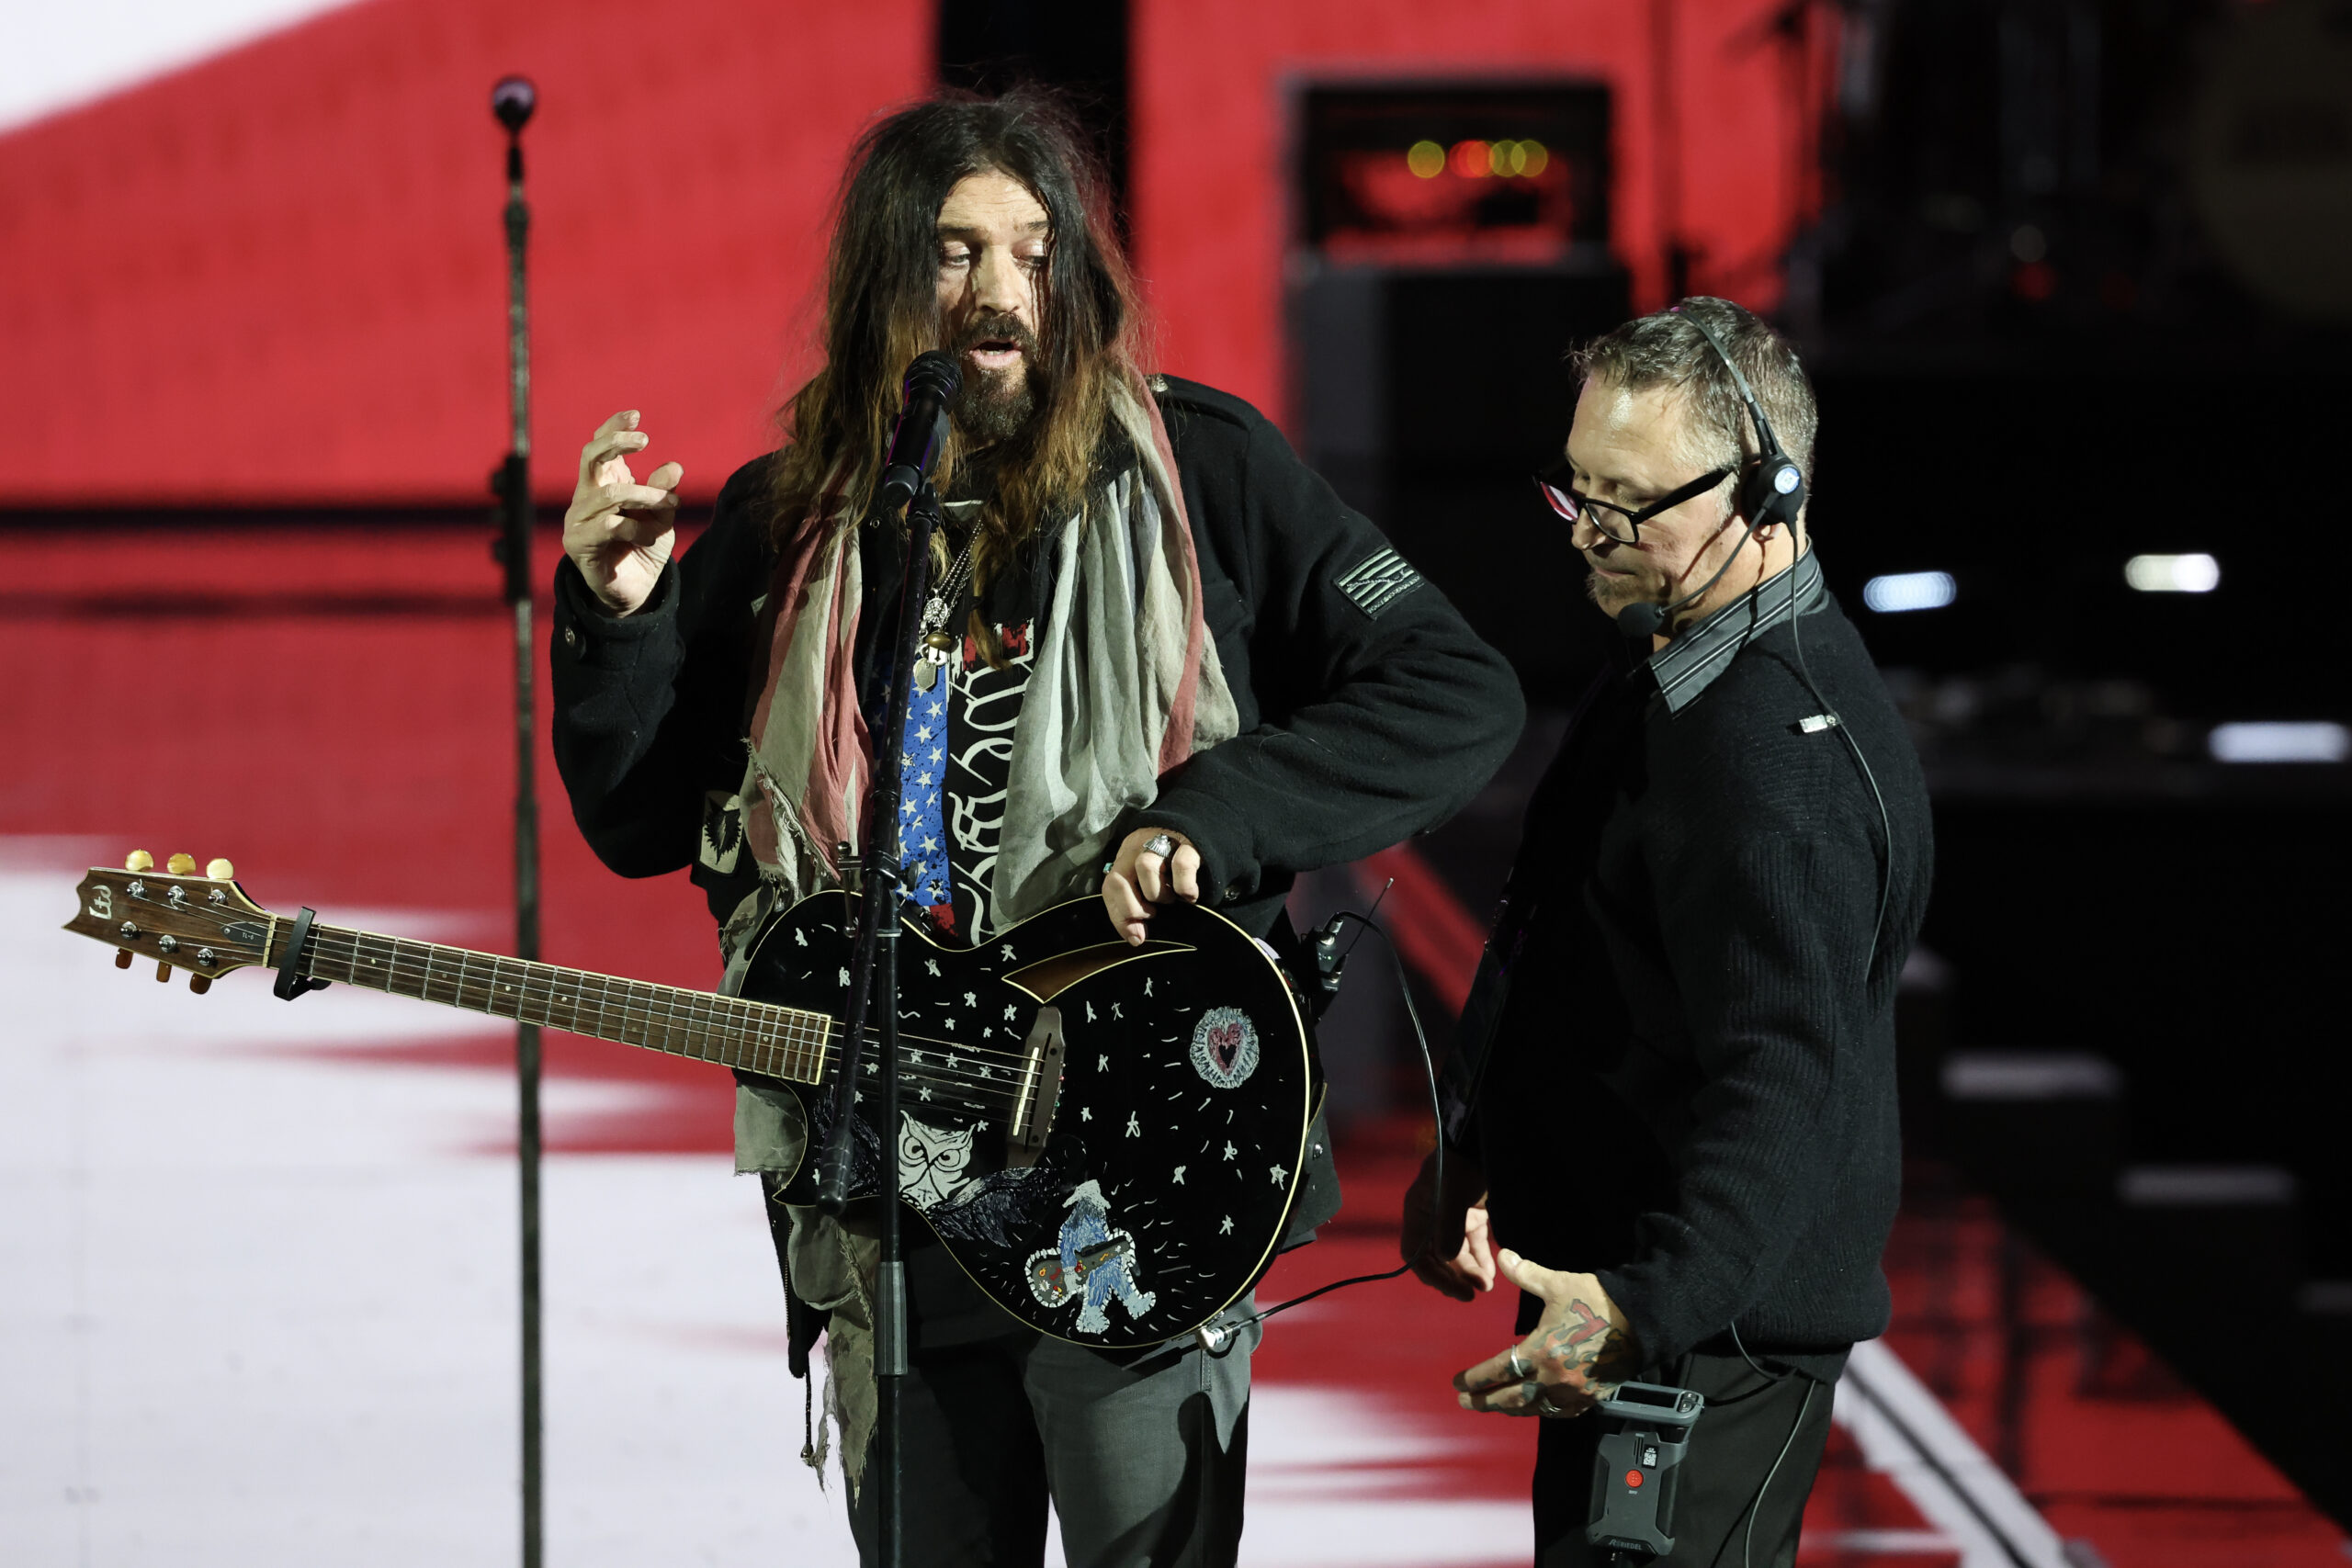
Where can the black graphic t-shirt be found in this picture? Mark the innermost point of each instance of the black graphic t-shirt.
(955, 759)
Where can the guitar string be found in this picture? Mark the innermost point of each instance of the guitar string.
(701, 1015)
(345, 944)
(706, 1010)
(983, 1090)
(709, 1006)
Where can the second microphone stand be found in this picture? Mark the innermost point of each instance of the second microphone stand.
(879, 887)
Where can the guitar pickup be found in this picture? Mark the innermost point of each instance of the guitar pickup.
(1040, 1088)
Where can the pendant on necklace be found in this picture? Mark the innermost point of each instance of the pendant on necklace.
(932, 658)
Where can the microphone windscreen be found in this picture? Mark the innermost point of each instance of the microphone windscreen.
(512, 100)
(935, 371)
(1639, 621)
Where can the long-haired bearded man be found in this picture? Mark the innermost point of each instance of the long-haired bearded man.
(1178, 669)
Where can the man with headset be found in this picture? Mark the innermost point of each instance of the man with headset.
(1670, 1113)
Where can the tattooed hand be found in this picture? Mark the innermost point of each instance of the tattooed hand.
(1581, 1350)
(1455, 1258)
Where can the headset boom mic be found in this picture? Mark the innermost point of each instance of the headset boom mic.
(1639, 621)
(933, 381)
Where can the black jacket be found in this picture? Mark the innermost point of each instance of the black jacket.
(1692, 1087)
(1367, 714)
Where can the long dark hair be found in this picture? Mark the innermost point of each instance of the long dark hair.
(881, 310)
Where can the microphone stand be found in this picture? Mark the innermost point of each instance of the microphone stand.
(874, 984)
(511, 101)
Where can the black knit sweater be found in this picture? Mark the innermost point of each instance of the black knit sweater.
(1691, 1090)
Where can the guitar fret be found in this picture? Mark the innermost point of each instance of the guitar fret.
(770, 1023)
(714, 1027)
(718, 1025)
(604, 994)
(563, 990)
(634, 1017)
(667, 1024)
(735, 1020)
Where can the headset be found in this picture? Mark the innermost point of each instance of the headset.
(1772, 493)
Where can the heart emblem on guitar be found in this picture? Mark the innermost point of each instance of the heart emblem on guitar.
(1225, 1047)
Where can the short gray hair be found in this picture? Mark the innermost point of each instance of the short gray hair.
(1666, 350)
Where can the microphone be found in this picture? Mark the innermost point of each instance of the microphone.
(1641, 620)
(933, 381)
(511, 101)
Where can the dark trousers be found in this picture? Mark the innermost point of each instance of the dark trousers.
(1144, 1456)
(1749, 1421)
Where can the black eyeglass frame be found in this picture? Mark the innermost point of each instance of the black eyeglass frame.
(1579, 505)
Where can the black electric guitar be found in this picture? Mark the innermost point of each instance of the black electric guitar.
(1107, 1138)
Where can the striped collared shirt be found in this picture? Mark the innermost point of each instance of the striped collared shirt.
(1689, 665)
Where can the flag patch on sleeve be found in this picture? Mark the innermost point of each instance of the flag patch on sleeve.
(1379, 581)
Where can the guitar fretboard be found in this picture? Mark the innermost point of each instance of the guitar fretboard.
(774, 1041)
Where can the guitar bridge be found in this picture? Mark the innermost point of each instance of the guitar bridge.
(1040, 1090)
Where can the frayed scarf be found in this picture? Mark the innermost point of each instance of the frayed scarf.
(1126, 685)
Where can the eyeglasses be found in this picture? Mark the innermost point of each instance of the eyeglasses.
(1616, 521)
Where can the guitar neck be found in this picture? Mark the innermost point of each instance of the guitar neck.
(774, 1042)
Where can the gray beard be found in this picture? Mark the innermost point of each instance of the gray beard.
(996, 407)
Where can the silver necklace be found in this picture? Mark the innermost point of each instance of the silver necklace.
(937, 640)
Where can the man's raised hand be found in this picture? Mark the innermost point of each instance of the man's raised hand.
(618, 532)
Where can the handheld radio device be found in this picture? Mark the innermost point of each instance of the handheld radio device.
(1646, 1437)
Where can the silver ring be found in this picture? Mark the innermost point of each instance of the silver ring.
(1543, 1405)
(1160, 844)
(1519, 1369)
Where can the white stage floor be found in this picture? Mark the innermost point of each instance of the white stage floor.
(260, 1307)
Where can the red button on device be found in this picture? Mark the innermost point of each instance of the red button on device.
(1633, 1478)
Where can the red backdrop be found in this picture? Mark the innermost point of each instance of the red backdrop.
(280, 274)
(276, 275)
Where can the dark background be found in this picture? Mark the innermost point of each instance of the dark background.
(2033, 361)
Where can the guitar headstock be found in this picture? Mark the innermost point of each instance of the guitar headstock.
(203, 924)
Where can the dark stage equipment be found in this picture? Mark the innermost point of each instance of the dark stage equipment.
(1451, 239)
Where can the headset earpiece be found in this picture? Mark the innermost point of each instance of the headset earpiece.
(1772, 490)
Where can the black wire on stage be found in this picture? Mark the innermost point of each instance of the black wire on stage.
(1219, 1341)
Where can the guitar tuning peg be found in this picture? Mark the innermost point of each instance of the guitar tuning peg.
(122, 958)
(219, 870)
(163, 974)
(200, 984)
(139, 860)
(180, 865)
